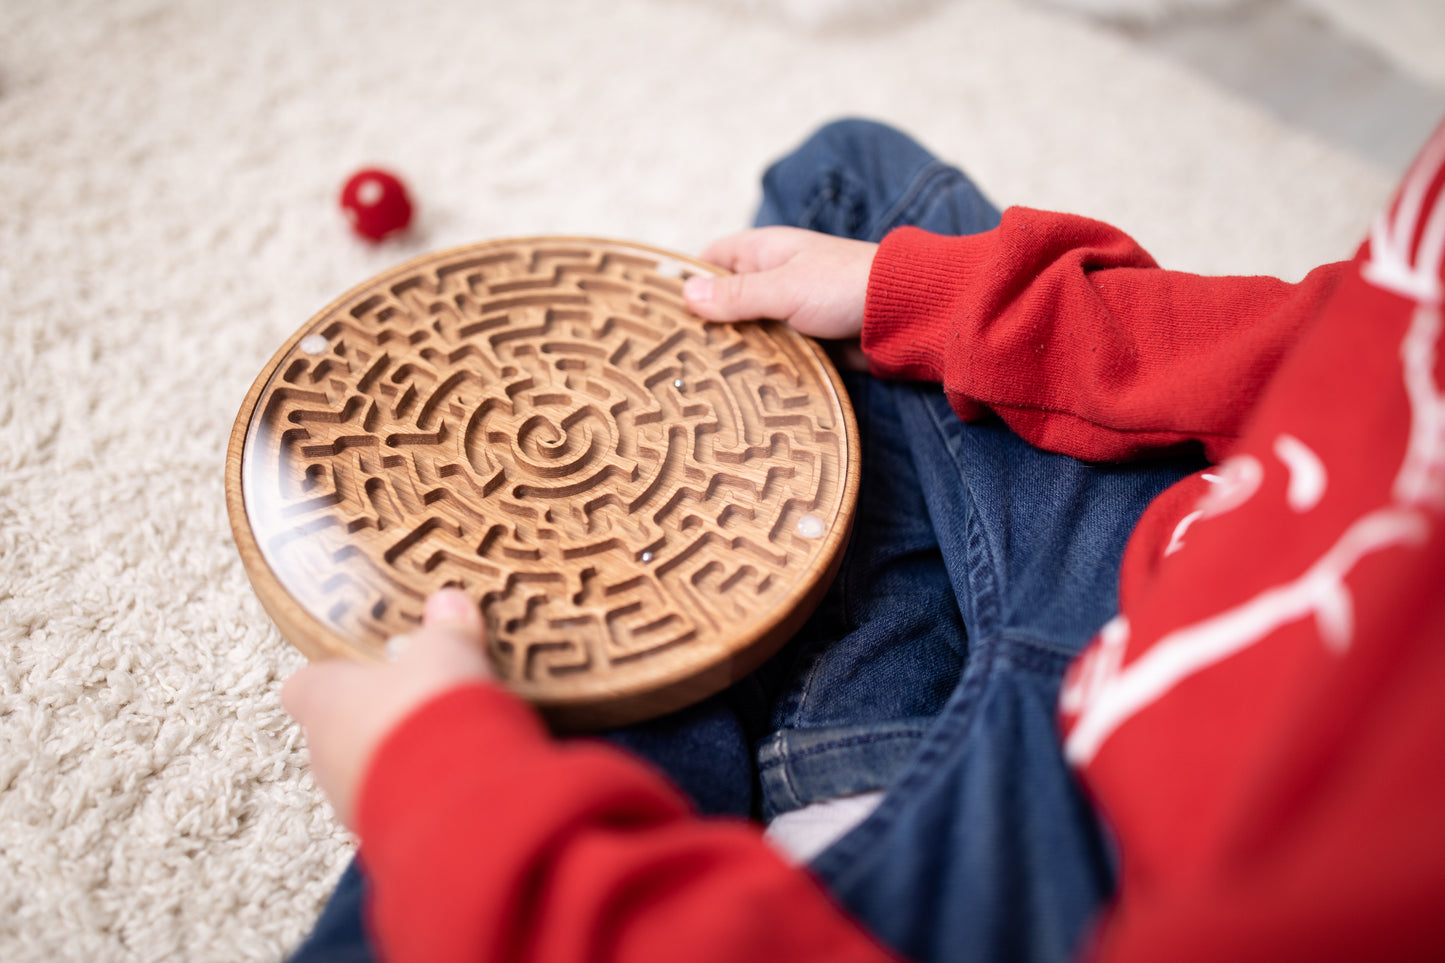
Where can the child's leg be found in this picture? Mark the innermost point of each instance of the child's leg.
(863, 679)
(861, 179)
(932, 667)
(338, 936)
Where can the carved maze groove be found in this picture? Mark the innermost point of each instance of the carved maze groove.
(633, 496)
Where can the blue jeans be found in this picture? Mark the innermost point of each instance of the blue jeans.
(978, 566)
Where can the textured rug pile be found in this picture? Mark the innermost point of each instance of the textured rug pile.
(168, 175)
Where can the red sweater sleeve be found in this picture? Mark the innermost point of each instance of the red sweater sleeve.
(486, 840)
(1069, 331)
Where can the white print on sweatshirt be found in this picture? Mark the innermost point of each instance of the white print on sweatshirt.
(1104, 693)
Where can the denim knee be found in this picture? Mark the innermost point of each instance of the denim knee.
(860, 178)
(856, 143)
(833, 182)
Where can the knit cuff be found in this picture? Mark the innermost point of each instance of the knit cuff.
(914, 290)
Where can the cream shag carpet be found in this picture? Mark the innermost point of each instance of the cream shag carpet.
(168, 174)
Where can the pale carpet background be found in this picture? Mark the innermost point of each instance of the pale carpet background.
(167, 217)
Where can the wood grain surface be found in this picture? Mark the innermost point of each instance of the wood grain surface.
(645, 505)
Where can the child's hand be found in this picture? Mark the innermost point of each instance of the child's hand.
(347, 708)
(815, 282)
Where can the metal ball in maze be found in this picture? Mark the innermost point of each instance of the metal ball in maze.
(644, 505)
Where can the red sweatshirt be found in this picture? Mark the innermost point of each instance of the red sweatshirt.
(1261, 726)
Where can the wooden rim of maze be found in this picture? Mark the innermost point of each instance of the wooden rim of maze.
(645, 505)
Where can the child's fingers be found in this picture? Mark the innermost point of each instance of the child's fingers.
(451, 608)
(296, 695)
(735, 252)
(454, 633)
(758, 248)
(304, 694)
(742, 297)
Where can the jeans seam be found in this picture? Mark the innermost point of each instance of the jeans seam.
(957, 718)
(922, 768)
(794, 798)
(983, 594)
(787, 756)
(921, 187)
(800, 701)
(818, 198)
(1029, 651)
(828, 188)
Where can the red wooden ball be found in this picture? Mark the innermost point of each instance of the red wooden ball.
(375, 202)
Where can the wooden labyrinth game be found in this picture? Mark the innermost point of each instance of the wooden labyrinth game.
(644, 505)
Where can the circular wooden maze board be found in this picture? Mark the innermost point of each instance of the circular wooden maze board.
(644, 505)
